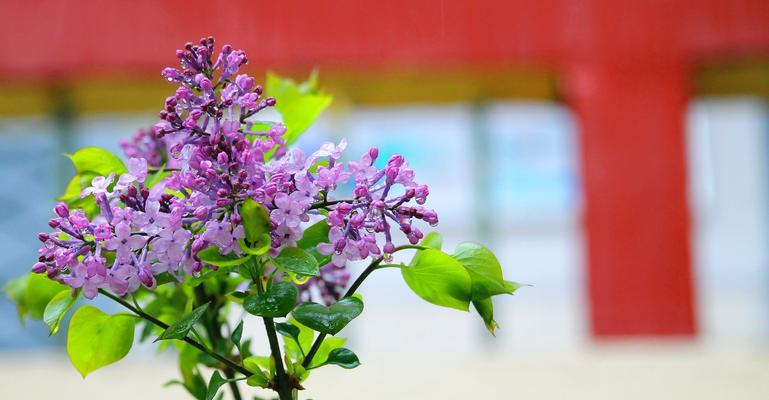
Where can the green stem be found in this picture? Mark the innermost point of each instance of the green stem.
(186, 339)
(215, 336)
(355, 285)
(282, 383)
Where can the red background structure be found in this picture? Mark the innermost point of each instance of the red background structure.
(624, 66)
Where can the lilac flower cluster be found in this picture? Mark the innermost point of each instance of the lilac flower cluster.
(218, 160)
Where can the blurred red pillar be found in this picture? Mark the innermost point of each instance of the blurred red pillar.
(634, 178)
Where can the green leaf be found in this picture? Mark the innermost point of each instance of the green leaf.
(433, 240)
(38, 292)
(297, 348)
(342, 357)
(298, 104)
(485, 308)
(276, 301)
(298, 261)
(256, 221)
(255, 365)
(331, 319)
(288, 330)
(215, 383)
(329, 344)
(188, 361)
(57, 308)
(484, 269)
(97, 160)
(314, 234)
(257, 248)
(439, 279)
(97, 339)
(211, 255)
(180, 328)
(14, 289)
(237, 335)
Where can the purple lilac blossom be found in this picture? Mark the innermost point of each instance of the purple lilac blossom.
(217, 160)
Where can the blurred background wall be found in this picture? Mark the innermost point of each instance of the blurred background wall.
(613, 153)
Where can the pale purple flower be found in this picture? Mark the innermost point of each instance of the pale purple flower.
(99, 186)
(124, 243)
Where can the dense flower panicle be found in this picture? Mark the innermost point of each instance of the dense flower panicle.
(217, 160)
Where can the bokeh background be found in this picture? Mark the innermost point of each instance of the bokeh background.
(614, 154)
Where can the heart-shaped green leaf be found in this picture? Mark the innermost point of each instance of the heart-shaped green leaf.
(211, 255)
(57, 308)
(97, 339)
(277, 301)
(438, 278)
(180, 328)
(298, 261)
(331, 319)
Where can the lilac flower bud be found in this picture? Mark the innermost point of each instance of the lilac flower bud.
(379, 205)
(339, 245)
(360, 191)
(270, 101)
(236, 219)
(391, 173)
(62, 210)
(389, 248)
(222, 158)
(222, 192)
(39, 268)
(198, 245)
(222, 202)
(395, 161)
(43, 237)
(53, 223)
(201, 213)
(146, 277)
(206, 85)
(373, 153)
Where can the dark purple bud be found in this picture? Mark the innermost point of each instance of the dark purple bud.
(198, 245)
(389, 248)
(222, 202)
(406, 228)
(39, 268)
(53, 223)
(61, 210)
(43, 237)
(339, 245)
(145, 193)
(222, 192)
(270, 101)
(146, 277)
(379, 205)
(236, 219)
(410, 192)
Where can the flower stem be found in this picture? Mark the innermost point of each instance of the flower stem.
(282, 383)
(186, 339)
(355, 285)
